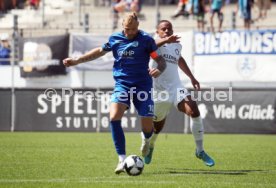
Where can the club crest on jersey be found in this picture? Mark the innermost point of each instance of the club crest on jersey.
(177, 51)
(135, 44)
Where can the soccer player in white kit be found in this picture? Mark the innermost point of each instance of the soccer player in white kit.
(169, 91)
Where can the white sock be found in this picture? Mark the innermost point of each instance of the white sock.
(153, 139)
(144, 138)
(122, 158)
(198, 131)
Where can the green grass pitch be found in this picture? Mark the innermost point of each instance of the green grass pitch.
(89, 159)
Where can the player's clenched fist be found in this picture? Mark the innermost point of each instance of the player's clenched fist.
(70, 62)
(154, 72)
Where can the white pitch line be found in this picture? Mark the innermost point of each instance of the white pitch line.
(31, 180)
(130, 181)
(85, 180)
(114, 180)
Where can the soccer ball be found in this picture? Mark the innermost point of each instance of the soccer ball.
(134, 165)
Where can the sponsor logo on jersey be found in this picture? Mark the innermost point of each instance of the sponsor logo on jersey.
(170, 59)
(125, 53)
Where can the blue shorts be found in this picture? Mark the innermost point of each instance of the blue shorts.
(218, 11)
(141, 97)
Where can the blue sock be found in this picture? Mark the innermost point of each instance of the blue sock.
(118, 137)
(147, 135)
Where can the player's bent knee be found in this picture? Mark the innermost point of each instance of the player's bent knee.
(158, 129)
(115, 115)
(147, 124)
(190, 108)
(194, 112)
(158, 126)
(115, 118)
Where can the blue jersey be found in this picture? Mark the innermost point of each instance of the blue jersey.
(216, 4)
(131, 57)
(4, 53)
(197, 7)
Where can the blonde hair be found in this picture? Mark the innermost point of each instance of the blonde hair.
(130, 19)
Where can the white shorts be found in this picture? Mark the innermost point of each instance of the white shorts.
(163, 101)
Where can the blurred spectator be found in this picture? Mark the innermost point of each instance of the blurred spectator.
(21, 4)
(4, 49)
(106, 3)
(6, 5)
(34, 4)
(216, 7)
(121, 6)
(263, 6)
(127, 5)
(244, 9)
(198, 9)
(14, 3)
(2, 6)
(181, 9)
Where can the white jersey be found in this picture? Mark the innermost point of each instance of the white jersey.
(170, 77)
(168, 89)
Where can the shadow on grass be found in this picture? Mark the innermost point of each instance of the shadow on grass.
(216, 172)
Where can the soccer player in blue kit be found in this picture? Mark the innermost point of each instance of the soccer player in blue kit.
(132, 49)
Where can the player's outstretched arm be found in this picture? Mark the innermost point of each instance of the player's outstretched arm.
(184, 67)
(169, 39)
(89, 56)
(161, 65)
